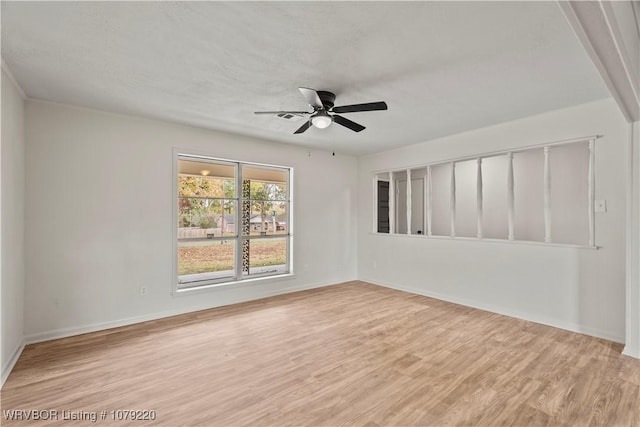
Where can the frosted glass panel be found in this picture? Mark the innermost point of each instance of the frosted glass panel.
(441, 186)
(528, 169)
(466, 206)
(536, 194)
(569, 197)
(494, 195)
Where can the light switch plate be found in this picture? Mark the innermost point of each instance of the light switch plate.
(601, 206)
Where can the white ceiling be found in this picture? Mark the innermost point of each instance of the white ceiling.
(442, 67)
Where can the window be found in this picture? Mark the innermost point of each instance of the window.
(383, 205)
(543, 194)
(232, 221)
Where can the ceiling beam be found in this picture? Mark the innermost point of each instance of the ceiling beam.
(596, 27)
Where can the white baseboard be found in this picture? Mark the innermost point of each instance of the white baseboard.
(84, 329)
(77, 330)
(556, 323)
(8, 367)
(631, 352)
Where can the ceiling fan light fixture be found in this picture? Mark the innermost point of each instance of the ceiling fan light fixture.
(321, 120)
(322, 103)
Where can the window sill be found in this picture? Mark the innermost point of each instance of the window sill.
(232, 284)
(488, 240)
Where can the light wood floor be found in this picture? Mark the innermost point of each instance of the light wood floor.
(353, 354)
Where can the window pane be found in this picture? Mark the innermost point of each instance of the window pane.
(382, 198)
(266, 218)
(495, 223)
(203, 259)
(528, 177)
(417, 201)
(400, 179)
(203, 218)
(267, 256)
(418, 180)
(268, 191)
(441, 211)
(203, 179)
(569, 193)
(266, 183)
(466, 198)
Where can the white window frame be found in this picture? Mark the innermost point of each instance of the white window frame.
(238, 277)
(378, 175)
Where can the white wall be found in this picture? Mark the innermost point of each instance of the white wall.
(12, 219)
(576, 289)
(99, 218)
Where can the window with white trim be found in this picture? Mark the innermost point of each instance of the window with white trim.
(542, 194)
(232, 222)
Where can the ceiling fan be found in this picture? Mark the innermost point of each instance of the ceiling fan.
(322, 103)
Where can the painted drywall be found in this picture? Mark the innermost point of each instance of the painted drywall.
(12, 170)
(99, 218)
(577, 289)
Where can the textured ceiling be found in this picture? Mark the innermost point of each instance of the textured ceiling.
(442, 67)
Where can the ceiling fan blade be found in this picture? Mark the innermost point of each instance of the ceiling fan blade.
(304, 127)
(312, 97)
(281, 112)
(369, 106)
(348, 123)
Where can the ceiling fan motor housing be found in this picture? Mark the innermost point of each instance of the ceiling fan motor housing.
(328, 99)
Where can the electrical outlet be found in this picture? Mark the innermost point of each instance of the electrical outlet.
(375, 265)
(601, 206)
(143, 290)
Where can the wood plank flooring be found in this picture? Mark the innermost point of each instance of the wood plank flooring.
(349, 354)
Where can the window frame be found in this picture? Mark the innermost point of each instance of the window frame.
(387, 175)
(238, 276)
